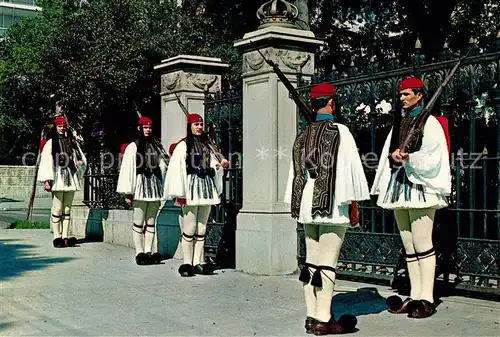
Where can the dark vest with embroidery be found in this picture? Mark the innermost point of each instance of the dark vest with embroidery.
(198, 161)
(315, 150)
(148, 167)
(399, 182)
(63, 153)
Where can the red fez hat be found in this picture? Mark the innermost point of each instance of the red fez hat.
(145, 121)
(194, 118)
(59, 121)
(323, 90)
(411, 83)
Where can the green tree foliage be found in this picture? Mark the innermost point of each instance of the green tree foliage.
(97, 59)
(357, 30)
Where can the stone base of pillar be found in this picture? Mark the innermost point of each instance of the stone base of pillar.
(266, 244)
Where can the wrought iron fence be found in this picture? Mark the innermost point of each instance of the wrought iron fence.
(223, 112)
(99, 186)
(467, 234)
(99, 192)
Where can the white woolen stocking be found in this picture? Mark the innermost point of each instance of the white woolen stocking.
(312, 257)
(138, 226)
(330, 241)
(422, 225)
(189, 216)
(404, 224)
(56, 225)
(67, 202)
(56, 216)
(201, 228)
(149, 235)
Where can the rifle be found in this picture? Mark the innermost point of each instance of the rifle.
(29, 212)
(426, 112)
(211, 144)
(309, 113)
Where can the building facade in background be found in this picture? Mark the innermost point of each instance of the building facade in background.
(11, 11)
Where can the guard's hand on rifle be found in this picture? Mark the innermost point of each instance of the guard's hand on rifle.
(79, 163)
(128, 199)
(397, 156)
(47, 185)
(225, 163)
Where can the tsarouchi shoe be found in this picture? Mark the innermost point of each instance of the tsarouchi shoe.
(397, 306)
(187, 270)
(421, 309)
(205, 269)
(58, 243)
(142, 259)
(309, 324)
(155, 258)
(70, 242)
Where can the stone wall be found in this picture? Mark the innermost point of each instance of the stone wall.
(16, 183)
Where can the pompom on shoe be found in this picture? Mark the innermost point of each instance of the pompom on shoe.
(142, 259)
(397, 306)
(155, 258)
(309, 324)
(205, 269)
(421, 309)
(70, 242)
(58, 243)
(187, 270)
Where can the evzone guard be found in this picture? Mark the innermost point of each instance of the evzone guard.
(194, 182)
(62, 164)
(141, 180)
(415, 182)
(326, 180)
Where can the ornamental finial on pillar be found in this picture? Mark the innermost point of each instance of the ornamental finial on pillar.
(277, 13)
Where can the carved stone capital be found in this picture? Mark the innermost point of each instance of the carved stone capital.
(286, 60)
(294, 60)
(203, 82)
(170, 82)
(189, 81)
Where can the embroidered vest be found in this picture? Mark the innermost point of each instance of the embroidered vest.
(315, 150)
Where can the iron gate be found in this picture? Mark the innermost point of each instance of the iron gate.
(223, 118)
(467, 234)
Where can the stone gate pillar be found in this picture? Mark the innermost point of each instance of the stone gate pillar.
(266, 239)
(187, 76)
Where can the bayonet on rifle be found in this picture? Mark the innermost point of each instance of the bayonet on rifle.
(428, 108)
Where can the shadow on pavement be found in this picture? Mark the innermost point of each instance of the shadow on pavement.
(3, 199)
(17, 258)
(4, 326)
(364, 301)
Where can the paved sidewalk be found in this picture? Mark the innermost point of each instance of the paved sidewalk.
(96, 289)
(12, 210)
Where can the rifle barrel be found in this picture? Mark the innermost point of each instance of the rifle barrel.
(428, 108)
(308, 113)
